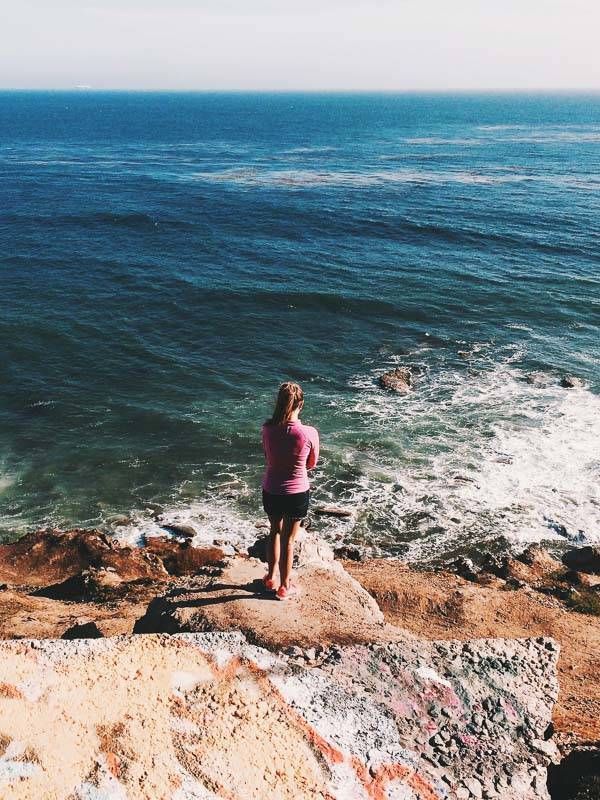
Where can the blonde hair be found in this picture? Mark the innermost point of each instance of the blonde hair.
(289, 398)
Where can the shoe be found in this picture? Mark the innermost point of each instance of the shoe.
(268, 583)
(285, 594)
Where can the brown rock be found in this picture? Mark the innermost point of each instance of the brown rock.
(25, 617)
(48, 557)
(182, 558)
(397, 380)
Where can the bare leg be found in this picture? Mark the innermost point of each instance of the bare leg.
(274, 545)
(288, 534)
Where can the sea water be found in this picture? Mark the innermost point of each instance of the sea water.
(168, 259)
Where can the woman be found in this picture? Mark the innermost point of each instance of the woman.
(291, 449)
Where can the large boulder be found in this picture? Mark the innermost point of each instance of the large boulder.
(211, 716)
(397, 380)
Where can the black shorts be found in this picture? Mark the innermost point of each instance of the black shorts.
(292, 506)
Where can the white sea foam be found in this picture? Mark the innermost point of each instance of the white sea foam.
(310, 178)
(213, 518)
(516, 460)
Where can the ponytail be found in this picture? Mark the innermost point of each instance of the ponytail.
(289, 397)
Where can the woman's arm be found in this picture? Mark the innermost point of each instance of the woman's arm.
(313, 454)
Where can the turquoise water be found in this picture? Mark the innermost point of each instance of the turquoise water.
(167, 259)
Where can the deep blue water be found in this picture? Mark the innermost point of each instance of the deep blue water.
(167, 259)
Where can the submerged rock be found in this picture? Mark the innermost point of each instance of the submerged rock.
(397, 380)
(570, 382)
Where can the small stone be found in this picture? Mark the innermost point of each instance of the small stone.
(474, 787)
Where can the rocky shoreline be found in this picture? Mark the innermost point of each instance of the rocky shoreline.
(461, 684)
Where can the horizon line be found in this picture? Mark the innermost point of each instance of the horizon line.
(85, 89)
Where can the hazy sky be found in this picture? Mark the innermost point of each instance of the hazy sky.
(284, 44)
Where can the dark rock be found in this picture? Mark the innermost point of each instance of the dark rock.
(583, 559)
(397, 380)
(180, 530)
(348, 553)
(576, 777)
(465, 568)
(569, 382)
(259, 549)
(83, 630)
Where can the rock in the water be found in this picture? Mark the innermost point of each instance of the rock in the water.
(465, 568)
(179, 529)
(583, 559)
(397, 380)
(333, 511)
(569, 382)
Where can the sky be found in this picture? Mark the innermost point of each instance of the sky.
(390, 45)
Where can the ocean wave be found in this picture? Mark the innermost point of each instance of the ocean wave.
(254, 177)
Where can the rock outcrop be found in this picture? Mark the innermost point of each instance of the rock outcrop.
(397, 380)
(51, 557)
(332, 606)
(211, 716)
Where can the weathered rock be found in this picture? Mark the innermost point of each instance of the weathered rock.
(397, 380)
(583, 559)
(332, 606)
(86, 585)
(181, 558)
(208, 715)
(23, 616)
(47, 557)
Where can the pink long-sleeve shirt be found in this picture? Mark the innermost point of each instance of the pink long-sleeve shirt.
(290, 450)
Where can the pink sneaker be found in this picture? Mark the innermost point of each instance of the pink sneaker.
(285, 594)
(268, 583)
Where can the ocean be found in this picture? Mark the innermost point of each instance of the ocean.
(167, 259)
